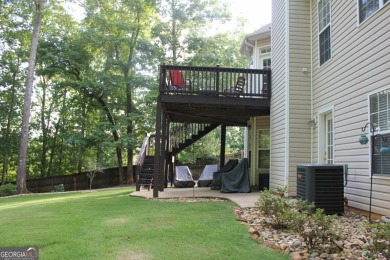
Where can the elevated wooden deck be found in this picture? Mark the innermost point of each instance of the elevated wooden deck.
(195, 100)
(207, 94)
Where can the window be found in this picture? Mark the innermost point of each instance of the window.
(368, 7)
(267, 63)
(380, 119)
(325, 51)
(263, 62)
(263, 149)
(265, 50)
(329, 140)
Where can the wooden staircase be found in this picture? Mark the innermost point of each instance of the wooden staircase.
(181, 136)
(145, 176)
(184, 135)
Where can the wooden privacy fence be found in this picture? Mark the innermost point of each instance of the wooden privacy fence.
(78, 181)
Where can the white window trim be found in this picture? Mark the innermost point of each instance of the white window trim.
(321, 127)
(259, 54)
(369, 134)
(319, 32)
(381, 5)
(368, 129)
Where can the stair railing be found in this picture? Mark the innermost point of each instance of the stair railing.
(181, 135)
(145, 151)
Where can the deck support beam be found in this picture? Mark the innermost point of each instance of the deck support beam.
(164, 149)
(157, 155)
(223, 146)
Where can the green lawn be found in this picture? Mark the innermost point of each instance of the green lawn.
(109, 224)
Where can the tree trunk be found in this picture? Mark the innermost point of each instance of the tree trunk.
(174, 35)
(115, 134)
(129, 132)
(44, 129)
(7, 134)
(5, 168)
(81, 146)
(22, 159)
(54, 147)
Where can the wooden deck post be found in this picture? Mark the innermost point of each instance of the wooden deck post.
(223, 146)
(167, 156)
(157, 166)
(217, 79)
(163, 149)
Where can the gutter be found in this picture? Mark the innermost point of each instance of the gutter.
(245, 45)
(248, 44)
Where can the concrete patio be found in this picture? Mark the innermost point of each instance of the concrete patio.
(244, 200)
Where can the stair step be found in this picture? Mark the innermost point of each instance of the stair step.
(146, 174)
(142, 176)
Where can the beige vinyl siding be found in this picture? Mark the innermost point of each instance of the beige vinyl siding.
(299, 88)
(263, 43)
(360, 65)
(291, 96)
(278, 99)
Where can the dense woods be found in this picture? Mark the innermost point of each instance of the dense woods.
(95, 76)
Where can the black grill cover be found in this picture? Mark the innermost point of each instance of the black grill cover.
(237, 180)
(216, 184)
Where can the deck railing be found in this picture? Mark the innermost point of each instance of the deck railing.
(214, 81)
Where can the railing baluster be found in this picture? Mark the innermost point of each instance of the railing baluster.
(205, 80)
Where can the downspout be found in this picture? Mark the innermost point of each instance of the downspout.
(311, 83)
(251, 46)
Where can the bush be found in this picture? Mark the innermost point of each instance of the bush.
(318, 229)
(7, 189)
(275, 207)
(381, 239)
(300, 216)
(59, 188)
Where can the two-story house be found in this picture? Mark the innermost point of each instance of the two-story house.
(330, 81)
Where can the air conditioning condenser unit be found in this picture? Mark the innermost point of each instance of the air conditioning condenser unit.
(323, 185)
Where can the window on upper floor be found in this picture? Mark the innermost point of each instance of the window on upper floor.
(324, 31)
(380, 120)
(368, 7)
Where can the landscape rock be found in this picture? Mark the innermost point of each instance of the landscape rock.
(353, 237)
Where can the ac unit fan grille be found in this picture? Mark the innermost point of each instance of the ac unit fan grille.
(323, 185)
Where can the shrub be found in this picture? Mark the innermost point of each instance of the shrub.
(380, 239)
(318, 228)
(7, 189)
(59, 188)
(300, 216)
(275, 207)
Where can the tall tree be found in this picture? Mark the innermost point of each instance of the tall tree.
(181, 19)
(22, 159)
(115, 29)
(14, 40)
